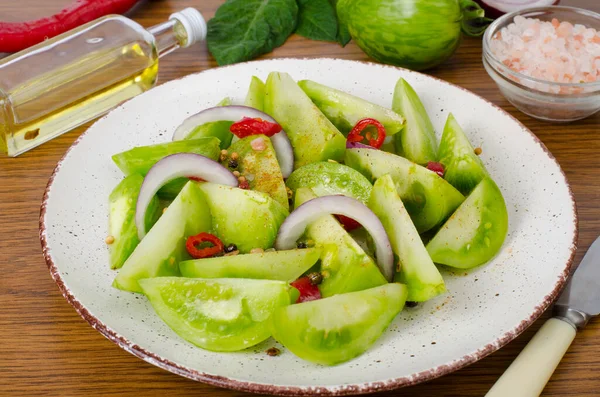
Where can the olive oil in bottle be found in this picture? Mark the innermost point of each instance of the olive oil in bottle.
(57, 85)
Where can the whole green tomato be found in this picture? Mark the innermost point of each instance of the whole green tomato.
(416, 34)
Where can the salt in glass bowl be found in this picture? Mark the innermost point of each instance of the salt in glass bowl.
(543, 99)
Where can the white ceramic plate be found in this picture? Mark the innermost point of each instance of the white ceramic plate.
(483, 310)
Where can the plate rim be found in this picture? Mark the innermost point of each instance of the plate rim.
(341, 390)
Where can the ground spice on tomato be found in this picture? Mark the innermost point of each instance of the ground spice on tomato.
(191, 245)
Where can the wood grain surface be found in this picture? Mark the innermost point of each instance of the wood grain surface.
(47, 349)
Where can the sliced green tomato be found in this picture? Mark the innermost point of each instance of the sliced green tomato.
(217, 314)
(417, 270)
(217, 129)
(475, 232)
(345, 110)
(260, 168)
(140, 159)
(326, 178)
(246, 218)
(333, 330)
(121, 219)
(255, 98)
(312, 135)
(462, 167)
(275, 265)
(417, 140)
(428, 198)
(163, 247)
(344, 264)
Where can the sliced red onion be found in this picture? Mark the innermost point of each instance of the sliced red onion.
(177, 166)
(295, 224)
(357, 145)
(235, 113)
(496, 8)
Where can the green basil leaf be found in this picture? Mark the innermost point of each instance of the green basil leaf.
(244, 29)
(317, 20)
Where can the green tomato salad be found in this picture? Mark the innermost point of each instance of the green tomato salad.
(306, 214)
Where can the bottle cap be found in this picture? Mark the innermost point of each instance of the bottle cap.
(194, 24)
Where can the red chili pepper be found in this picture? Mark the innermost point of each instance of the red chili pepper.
(355, 134)
(197, 253)
(248, 126)
(308, 291)
(348, 223)
(16, 36)
(436, 167)
(196, 179)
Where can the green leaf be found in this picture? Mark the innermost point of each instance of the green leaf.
(343, 35)
(317, 20)
(244, 29)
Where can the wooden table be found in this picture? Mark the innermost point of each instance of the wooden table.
(46, 348)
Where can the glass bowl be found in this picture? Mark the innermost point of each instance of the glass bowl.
(543, 99)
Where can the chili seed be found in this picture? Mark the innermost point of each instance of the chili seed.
(257, 251)
(164, 210)
(235, 156)
(289, 192)
(232, 253)
(224, 152)
(230, 248)
(411, 304)
(109, 240)
(478, 151)
(302, 245)
(273, 352)
(242, 179)
(233, 163)
(236, 174)
(315, 278)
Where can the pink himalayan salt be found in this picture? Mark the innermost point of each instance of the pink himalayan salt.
(555, 51)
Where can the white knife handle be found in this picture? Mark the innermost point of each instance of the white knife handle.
(528, 374)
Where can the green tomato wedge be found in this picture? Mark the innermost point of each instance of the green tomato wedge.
(246, 218)
(217, 129)
(428, 198)
(475, 232)
(334, 330)
(462, 167)
(416, 141)
(163, 247)
(121, 219)
(345, 110)
(344, 264)
(417, 270)
(221, 315)
(326, 178)
(140, 159)
(260, 168)
(255, 98)
(312, 135)
(275, 265)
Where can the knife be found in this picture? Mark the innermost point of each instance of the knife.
(579, 302)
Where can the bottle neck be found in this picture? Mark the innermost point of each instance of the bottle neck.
(168, 36)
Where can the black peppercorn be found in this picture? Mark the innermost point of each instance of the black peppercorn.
(315, 278)
(302, 244)
(411, 304)
(230, 248)
(233, 164)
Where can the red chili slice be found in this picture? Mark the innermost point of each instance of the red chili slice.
(348, 223)
(196, 179)
(355, 134)
(308, 291)
(198, 253)
(249, 126)
(436, 167)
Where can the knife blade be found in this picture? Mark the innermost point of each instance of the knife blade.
(577, 304)
(581, 298)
